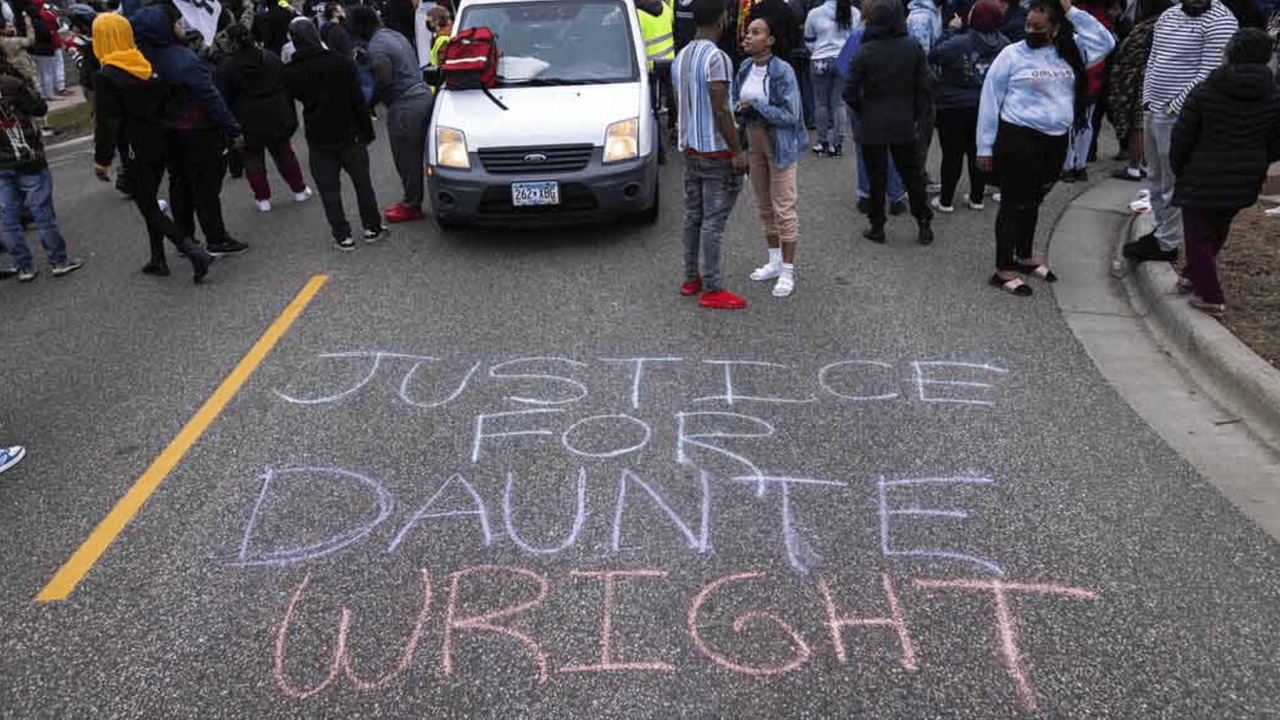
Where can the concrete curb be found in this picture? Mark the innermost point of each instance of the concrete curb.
(1239, 375)
(67, 149)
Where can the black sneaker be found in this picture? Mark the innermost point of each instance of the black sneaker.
(864, 205)
(345, 244)
(898, 208)
(875, 235)
(373, 236)
(926, 232)
(837, 151)
(1146, 248)
(226, 247)
(7, 271)
(67, 266)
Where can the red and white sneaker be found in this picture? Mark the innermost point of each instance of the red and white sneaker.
(722, 300)
(401, 213)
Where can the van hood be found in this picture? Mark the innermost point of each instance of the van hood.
(537, 115)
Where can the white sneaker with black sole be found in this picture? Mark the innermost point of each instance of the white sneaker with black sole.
(11, 456)
(345, 244)
(67, 266)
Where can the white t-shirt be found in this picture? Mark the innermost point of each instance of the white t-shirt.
(753, 87)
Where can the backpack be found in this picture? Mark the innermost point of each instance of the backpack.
(844, 61)
(470, 61)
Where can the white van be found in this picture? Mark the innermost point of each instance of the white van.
(577, 140)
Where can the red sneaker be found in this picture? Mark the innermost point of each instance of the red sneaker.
(693, 287)
(722, 300)
(399, 213)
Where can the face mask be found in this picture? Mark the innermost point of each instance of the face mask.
(1194, 11)
(1037, 40)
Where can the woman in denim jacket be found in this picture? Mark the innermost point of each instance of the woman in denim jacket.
(766, 99)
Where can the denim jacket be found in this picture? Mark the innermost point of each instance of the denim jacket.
(783, 116)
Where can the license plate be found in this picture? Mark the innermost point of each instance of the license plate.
(530, 194)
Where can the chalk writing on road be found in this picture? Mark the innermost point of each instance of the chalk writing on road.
(676, 442)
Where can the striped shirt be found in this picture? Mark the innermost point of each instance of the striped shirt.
(698, 65)
(1184, 50)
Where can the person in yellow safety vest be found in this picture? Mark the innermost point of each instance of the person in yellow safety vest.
(440, 23)
(657, 27)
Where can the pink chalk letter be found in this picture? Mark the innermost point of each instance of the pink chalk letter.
(802, 651)
(837, 623)
(607, 661)
(1006, 624)
(454, 624)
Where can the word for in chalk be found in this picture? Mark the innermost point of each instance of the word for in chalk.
(473, 619)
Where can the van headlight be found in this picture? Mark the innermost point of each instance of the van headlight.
(622, 141)
(451, 149)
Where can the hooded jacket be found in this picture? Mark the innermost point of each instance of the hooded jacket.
(196, 103)
(129, 98)
(924, 23)
(251, 80)
(334, 112)
(889, 82)
(964, 59)
(1227, 136)
(21, 147)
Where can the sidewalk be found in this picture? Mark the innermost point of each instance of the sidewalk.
(1206, 394)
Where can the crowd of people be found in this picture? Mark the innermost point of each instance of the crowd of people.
(1016, 93)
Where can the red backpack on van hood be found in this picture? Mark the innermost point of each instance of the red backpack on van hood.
(470, 61)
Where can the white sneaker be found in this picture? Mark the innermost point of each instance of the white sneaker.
(975, 206)
(936, 202)
(264, 205)
(1273, 199)
(1273, 212)
(1141, 202)
(768, 271)
(11, 456)
(303, 196)
(785, 285)
(996, 196)
(163, 205)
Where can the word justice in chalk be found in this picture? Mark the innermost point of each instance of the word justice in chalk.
(427, 382)
(457, 500)
(466, 628)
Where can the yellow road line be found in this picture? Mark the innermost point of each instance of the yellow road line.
(74, 570)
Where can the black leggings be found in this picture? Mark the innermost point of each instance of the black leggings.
(876, 158)
(958, 133)
(1027, 165)
(145, 176)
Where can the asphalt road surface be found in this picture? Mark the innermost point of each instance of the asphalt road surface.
(516, 474)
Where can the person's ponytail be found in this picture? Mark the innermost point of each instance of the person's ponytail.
(1069, 51)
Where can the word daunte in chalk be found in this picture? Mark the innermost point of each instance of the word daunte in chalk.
(428, 382)
(703, 623)
(457, 499)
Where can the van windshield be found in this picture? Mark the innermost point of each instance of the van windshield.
(559, 42)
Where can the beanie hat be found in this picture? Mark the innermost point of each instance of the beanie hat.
(986, 16)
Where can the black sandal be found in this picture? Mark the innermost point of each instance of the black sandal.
(1041, 271)
(1013, 287)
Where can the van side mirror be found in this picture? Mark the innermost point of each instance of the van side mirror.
(661, 69)
(432, 75)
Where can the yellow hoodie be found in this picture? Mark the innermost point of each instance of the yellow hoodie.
(113, 45)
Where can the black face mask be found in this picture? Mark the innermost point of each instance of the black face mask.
(1195, 11)
(1037, 40)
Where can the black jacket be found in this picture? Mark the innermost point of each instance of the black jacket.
(398, 15)
(129, 108)
(335, 36)
(1227, 136)
(889, 84)
(21, 147)
(251, 80)
(334, 112)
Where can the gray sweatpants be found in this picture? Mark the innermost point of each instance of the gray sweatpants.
(1160, 179)
(407, 120)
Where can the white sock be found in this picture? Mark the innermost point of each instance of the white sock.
(788, 270)
(775, 256)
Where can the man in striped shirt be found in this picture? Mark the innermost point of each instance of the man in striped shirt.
(714, 161)
(1187, 44)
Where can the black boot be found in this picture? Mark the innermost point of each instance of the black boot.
(874, 234)
(159, 268)
(199, 257)
(926, 231)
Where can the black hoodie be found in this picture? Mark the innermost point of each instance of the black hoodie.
(1226, 137)
(251, 79)
(334, 112)
(889, 82)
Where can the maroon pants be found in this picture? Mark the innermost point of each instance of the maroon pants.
(255, 166)
(1205, 232)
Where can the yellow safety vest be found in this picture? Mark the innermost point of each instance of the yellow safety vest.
(658, 33)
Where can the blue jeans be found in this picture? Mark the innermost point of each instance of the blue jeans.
(897, 191)
(710, 190)
(828, 105)
(34, 189)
